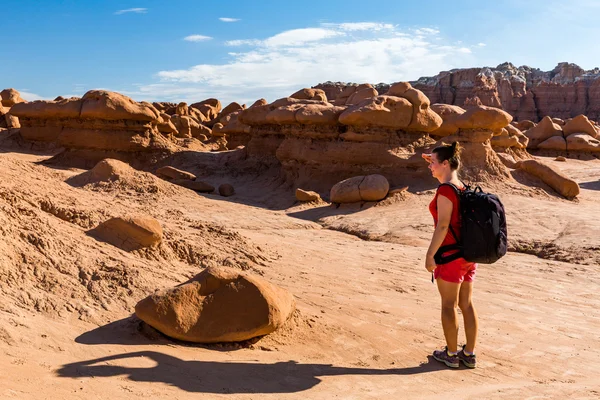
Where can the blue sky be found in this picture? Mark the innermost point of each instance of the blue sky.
(241, 50)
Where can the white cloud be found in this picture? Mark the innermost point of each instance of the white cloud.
(360, 26)
(29, 96)
(226, 19)
(297, 37)
(426, 31)
(481, 44)
(132, 10)
(197, 38)
(243, 42)
(279, 65)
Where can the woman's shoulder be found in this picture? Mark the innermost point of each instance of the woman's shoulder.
(447, 190)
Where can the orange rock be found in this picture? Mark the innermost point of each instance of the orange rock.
(583, 142)
(218, 305)
(305, 195)
(553, 178)
(360, 188)
(226, 190)
(482, 117)
(101, 104)
(542, 131)
(44, 109)
(10, 97)
(231, 107)
(361, 94)
(310, 94)
(554, 143)
(319, 114)
(525, 125)
(182, 109)
(449, 114)
(174, 173)
(581, 124)
(385, 111)
(259, 102)
(197, 186)
(284, 115)
(129, 233)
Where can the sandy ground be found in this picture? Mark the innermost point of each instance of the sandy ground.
(368, 314)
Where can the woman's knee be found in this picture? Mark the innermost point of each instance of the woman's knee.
(449, 305)
(466, 305)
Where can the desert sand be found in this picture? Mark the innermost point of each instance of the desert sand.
(367, 315)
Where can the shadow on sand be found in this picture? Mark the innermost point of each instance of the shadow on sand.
(590, 185)
(227, 377)
(208, 376)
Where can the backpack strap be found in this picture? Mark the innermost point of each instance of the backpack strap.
(439, 259)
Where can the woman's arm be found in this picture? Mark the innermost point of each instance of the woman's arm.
(444, 207)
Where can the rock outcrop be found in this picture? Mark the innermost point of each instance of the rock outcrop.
(218, 305)
(360, 188)
(524, 92)
(319, 143)
(100, 120)
(555, 179)
(129, 233)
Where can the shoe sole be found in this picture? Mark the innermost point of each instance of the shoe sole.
(448, 364)
(466, 364)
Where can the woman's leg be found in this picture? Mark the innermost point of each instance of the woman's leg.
(449, 293)
(469, 315)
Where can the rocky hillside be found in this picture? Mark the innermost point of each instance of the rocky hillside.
(526, 93)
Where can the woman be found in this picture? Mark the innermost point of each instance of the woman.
(454, 279)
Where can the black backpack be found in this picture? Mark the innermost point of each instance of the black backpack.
(483, 230)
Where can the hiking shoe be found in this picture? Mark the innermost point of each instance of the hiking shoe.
(468, 361)
(443, 356)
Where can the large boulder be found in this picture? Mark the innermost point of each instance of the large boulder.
(385, 111)
(360, 188)
(307, 195)
(450, 115)
(129, 233)
(218, 305)
(362, 92)
(557, 143)
(583, 142)
(475, 118)
(169, 172)
(319, 114)
(102, 104)
(542, 131)
(581, 124)
(310, 94)
(424, 118)
(553, 178)
(10, 97)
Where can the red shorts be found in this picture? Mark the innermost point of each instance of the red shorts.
(457, 271)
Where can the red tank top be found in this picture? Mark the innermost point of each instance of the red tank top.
(450, 194)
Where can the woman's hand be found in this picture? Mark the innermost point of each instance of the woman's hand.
(429, 263)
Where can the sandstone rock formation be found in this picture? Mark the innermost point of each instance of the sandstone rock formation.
(10, 97)
(553, 178)
(383, 133)
(218, 305)
(169, 172)
(197, 186)
(226, 190)
(543, 131)
(100, 120)
(360, 188)
(524, 92)
(307, 195)
(129, 233)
